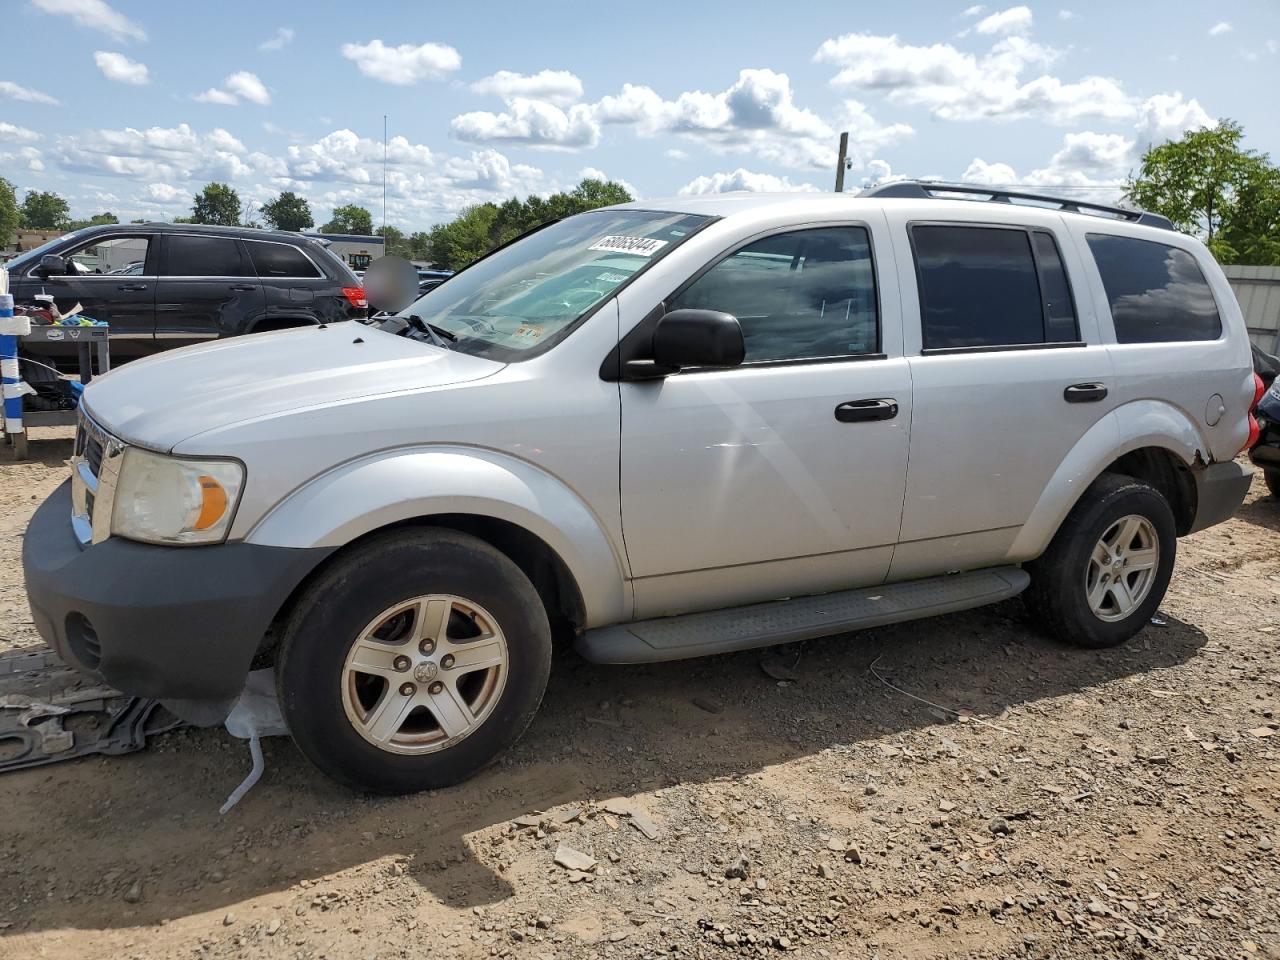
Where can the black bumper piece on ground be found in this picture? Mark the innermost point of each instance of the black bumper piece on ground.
(173, 623)
(1220, 489)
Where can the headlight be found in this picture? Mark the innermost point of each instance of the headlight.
(161, 499)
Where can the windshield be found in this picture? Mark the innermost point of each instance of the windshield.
(526, 297)
(31, 257)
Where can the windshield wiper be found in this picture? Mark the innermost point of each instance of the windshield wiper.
(438, 335)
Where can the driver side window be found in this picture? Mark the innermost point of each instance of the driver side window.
(109, 256)
(804, 295)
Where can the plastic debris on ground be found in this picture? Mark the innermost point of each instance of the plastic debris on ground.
(255, 715)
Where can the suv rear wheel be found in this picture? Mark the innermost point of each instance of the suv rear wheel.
(414, 661)
(1108, 567)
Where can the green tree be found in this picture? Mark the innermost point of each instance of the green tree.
(218, 204)
(480, 228)
(42, 210)
(98, 219)
(397, 245)
(1207, 184)
(419, 245)
(288, 212)
(350, 219)
(10, 216)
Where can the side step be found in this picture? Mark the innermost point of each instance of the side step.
(785, 621)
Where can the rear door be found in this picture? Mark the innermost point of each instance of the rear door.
(293, 286)
(1008, 373)
(207, 289)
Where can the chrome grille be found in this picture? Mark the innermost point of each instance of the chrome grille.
(95, 467)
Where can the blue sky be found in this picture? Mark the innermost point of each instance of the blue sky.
(132, 105)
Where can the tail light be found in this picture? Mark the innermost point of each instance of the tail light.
(1255, 431)
(355, 296)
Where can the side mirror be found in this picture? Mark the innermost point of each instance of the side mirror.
(52, 265)
(692, 338)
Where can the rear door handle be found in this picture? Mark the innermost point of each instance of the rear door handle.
(132, 286)
(861, 411)
(242, 289)
(1085, 393)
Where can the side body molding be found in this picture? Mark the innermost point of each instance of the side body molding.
(1132, 426)
(391, 486)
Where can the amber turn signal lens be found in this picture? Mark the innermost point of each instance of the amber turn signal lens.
(214, 503)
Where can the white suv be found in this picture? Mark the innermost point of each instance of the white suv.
(674, 428)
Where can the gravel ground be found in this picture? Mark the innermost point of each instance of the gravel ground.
(1044, 802)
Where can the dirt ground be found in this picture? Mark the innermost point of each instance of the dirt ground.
(1075, 803)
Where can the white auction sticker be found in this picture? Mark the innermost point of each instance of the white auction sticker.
(640, 246)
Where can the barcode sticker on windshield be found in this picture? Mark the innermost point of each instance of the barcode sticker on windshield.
(640, 246)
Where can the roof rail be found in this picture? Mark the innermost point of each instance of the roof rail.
(929, 189)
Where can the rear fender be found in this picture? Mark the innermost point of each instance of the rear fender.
(1142, 423)
(394, 486)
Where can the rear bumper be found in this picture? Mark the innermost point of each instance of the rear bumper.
(1220, 489)
(174, 623)
(1266, 452)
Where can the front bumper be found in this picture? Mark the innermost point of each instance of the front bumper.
(180, 624)
(1220, 489)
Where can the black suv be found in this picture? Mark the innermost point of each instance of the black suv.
(165, 285)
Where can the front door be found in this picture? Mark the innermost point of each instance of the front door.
(113, 279)
(208, 289)
(783, 476)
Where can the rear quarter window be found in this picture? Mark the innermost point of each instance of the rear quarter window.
(1158, 293)
(280, 260)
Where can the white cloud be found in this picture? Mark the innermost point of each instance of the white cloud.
(241, 85)
(675, 153)
(28, 157)
(16, 134)
(743, 180)
(1168, 116)
(1273, 46)
(94, 15)
(973, 11)
(1221, 28)
(595, 173)
(988, 174)
(118, 67)
(283, 37)
(960, 86)
(531, 123)
(157, 154)
(559, 87)
(1066, 15)
(167, 194)
(403, 65)
(1013, 20)
(15, 91)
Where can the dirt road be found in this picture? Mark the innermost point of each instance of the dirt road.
(1122, 803)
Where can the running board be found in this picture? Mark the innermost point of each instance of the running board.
(803, 618)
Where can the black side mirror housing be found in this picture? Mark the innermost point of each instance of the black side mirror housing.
(691, 338)
(52, 265)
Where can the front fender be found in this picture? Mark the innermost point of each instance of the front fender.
(392, 486)
(1132, 426)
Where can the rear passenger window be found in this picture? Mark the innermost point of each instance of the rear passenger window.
(803, 295)
(187, 255)
(1157, 292)
(989, 287)
(280, 260)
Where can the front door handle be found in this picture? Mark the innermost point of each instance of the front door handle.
(860, 411)
(132, 286)
(242, 289)
(1085, 393)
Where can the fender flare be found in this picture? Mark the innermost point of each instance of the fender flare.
(408, 483)
(1129, 427)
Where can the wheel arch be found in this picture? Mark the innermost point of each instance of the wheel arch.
(529, 515)
(1151, 440)
(290, 322)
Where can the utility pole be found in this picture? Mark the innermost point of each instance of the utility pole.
(384, 175)
(840, 163)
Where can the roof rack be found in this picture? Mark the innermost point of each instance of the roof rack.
(929, 189)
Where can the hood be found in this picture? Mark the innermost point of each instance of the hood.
(161, 401)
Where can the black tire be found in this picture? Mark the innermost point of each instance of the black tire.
(352, 593)
(1057, 598)
(1272, 477)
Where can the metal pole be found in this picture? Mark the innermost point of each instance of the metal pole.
(384, 176)
(844, 152)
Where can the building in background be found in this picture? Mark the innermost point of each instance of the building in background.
(356, 251)
(24, 240)
(1258, 290)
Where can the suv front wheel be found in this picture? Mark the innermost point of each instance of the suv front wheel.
(1107, 569)
(413, 661)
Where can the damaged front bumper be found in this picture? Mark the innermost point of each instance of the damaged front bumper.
(178, 624)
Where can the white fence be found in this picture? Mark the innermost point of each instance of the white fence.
(1258, 290)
